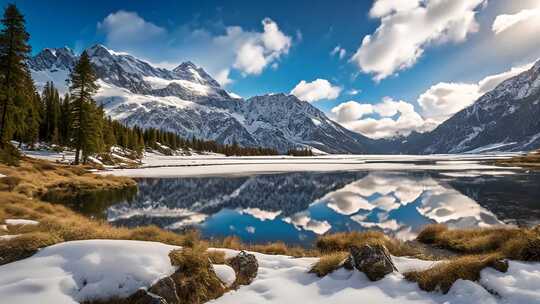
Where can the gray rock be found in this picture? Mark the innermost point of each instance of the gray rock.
(246, 267)
(500, 265)
(166, 289)
(142, 296)
(373, 260)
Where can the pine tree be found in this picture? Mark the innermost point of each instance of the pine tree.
(84, 113)
(65, 121)
(51, 118)
(14, 74)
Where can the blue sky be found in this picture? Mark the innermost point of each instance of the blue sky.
(447, 46)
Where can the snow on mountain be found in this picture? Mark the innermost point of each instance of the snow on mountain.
(504, 119)
(189, 101)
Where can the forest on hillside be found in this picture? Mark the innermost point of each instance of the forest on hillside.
(75, 121)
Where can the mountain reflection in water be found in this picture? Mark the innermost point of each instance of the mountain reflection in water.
(297, 207)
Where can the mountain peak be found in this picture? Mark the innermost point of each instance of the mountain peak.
(98, 50)
(186, 65)
(190, 71)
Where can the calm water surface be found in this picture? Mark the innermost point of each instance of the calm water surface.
(297, 207)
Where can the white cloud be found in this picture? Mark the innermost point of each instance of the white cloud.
(255, 54)
(408, 27)
(249, 52)
(382, 8)
(437, 104)
(250, 59)
(316, 90)
(273, 39)
(396, 118)
(129, 27)
(351, 110)
(444, 99)
(223, 77)
(353, 92)
(339, 51)
(507, 21)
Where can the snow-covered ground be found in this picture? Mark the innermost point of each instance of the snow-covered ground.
(96, 269)
(155, 165)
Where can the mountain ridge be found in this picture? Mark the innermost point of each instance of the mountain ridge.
(187, 100)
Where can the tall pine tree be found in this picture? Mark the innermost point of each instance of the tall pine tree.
(84, 113)
(65, 121)
(14, 73)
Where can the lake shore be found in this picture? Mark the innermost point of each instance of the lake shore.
(35, 233)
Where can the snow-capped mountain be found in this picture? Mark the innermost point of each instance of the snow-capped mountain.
(187, 100)
(504, 119)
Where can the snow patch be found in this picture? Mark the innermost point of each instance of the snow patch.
(15, 222)
(226, 274)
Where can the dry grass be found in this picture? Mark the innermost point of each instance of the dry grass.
(343, 241)
(39, 178)
(196, 281)
(442, 276)
(515, 243)
(531, 160)
(216, 256)
(59, 224)
(276, 248)
(328, 263)
(479, 248)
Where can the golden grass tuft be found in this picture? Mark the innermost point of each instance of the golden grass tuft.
(25, 245)
(195, 279)
(343, 241)
(515, 243)
(328, 263)
(275, 248)
(442, 276)
(39, 178)
(216, 256)
(58, 223)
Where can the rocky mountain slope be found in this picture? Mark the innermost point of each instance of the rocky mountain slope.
(504, 119)
(190, 102)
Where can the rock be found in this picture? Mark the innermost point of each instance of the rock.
(373, 260)
(166, 289)
(348, 263)
(531, 252)
(142, 296)
(246, 266)
(500, 265)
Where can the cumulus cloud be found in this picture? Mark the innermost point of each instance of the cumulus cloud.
(390, 118)
(316, 90)
(130, 28)
(394, 118)
(339, 51)
(444, 99)
(222, 77)
(249, 52)
(351, 110)
(254, 55)
(408, 27)
(507, 21)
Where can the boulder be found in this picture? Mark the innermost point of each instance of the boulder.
(142, 296)
(500, 265)
(166, 289)
(246, 266)
(373, 260)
